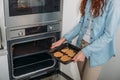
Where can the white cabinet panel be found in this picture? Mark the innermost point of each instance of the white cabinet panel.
(4, 73)
(71, 17)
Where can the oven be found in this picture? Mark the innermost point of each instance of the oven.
(31, 57)
(30, 27)
(24, 12)
(28, 52)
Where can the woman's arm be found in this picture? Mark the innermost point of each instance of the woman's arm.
(58, 43)
(69, 36)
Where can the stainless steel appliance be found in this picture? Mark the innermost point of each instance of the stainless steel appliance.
(28, 51)
(24, 12)
(0, 39)
(29, 28)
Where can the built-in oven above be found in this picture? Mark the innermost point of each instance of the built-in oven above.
(24, 12)
(24, 7)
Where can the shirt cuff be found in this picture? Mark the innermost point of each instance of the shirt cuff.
(67, 38)
(86, 52)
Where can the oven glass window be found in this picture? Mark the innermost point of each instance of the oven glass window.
(32, 47)
(23, 7)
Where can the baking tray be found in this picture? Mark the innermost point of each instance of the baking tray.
(60, 48)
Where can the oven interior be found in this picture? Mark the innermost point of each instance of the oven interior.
(31, 56)
(31, 47)
(32, 63)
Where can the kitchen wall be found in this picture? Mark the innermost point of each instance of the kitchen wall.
(71, 16)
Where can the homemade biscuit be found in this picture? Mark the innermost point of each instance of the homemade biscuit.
(71, 54)
(65, 50)
(58, 54)
(69, 51)
(65, 58)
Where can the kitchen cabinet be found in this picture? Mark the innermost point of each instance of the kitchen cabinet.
(4, 65)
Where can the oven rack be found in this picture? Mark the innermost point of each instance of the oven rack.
(21, 70)
(30, 54)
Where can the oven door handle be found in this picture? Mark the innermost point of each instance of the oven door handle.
(54, 61)
(36, 75)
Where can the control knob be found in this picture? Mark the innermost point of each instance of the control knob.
(51, 28)
(20, 33)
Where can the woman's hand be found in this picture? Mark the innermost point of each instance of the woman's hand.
(79, 57)
(58, 43)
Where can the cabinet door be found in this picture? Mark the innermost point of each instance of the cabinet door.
(4, 73)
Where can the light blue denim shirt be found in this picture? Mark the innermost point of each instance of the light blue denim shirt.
(102, 41)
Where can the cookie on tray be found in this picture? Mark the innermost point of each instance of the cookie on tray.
(65, 50)
(58, 54)
(65, 58)
(71, 54)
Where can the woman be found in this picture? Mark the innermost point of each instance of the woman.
(96, 36)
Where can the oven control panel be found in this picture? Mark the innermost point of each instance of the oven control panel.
(42, 29)
(37, 29)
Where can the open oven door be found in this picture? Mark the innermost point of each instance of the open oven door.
(29, 59)
(57, 75)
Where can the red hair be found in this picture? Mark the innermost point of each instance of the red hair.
(96, 7)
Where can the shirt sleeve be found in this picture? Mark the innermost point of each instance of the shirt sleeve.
(111, 26)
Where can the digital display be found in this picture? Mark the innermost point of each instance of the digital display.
(36, 30)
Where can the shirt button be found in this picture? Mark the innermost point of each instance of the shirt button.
(85, 26)
(92, 21)
(91, 38)
(91, 29)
